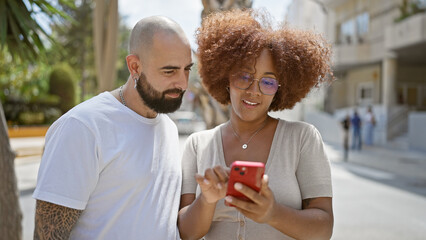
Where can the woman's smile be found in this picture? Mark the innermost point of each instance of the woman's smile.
(250, 104)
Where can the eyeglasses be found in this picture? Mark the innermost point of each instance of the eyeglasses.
(243, 80)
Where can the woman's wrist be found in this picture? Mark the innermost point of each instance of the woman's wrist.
(276, 212)
(206, 202)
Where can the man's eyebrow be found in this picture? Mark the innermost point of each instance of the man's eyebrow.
(190, 65)
(168, 67)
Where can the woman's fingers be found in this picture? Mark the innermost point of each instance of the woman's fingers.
(201, 180)
(263, 202)
(264, 188)
(213, 178)
(222, 174)
(213, 183)
(248, 192)
(240, 204)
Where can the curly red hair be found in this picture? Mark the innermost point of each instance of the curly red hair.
(228, 39)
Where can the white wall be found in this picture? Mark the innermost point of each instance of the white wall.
(306, 14)
(330, 127)
(417, 130)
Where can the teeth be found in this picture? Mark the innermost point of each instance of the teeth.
(250, 103)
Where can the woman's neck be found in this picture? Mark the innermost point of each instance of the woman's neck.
(247, 127)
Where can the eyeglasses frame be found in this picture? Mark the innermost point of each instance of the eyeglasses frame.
(258, 85)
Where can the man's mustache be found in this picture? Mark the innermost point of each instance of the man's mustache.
(174, 90)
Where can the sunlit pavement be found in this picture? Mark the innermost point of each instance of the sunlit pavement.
(378, 194)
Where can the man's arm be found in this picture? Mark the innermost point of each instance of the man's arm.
(54, 221)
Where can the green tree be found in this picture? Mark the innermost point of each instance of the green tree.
(19, 35)
(62, 84)
(76, 37)
(77, 40)
(123, 43)
(24, 90)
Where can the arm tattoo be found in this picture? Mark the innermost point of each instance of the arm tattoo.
(54, 221)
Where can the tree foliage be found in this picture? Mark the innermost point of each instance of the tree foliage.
(22, 35)
(76, 37)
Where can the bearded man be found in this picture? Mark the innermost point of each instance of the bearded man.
(110, 169)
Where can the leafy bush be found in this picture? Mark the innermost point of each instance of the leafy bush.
(24, 90)
(62, 83)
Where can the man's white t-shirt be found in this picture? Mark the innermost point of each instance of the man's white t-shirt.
(122, 169)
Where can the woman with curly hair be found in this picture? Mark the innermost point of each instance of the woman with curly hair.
(246, 63)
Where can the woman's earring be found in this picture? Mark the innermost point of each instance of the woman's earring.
(227, 89)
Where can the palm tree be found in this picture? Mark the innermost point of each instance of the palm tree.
(20, 35)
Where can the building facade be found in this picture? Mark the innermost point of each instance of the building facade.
(379, 60)
(308, 15)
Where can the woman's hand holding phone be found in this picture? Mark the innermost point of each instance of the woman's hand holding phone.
(261, 206)
(249, 192)
(213, 183)
(258, 205)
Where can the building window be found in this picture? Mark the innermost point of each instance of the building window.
(347, 31)
(365, 93)
(362, 22)
(354, 29)
(413, 95)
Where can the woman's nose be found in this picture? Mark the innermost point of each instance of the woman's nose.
(254, 87)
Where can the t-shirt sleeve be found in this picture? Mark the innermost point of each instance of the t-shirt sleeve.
(313, 171)
(189, 166)
(69, 169)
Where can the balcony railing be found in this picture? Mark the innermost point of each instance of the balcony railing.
(358, 54)
(406, 33)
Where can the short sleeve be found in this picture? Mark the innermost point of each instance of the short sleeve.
(313, 171)
(69, 169)
(189, 166)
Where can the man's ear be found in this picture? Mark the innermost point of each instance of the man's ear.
(134, 65)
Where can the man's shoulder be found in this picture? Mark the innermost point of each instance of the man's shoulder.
(99, 106)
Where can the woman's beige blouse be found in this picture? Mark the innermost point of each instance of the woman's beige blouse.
(297, 167)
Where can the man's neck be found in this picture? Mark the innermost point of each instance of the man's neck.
(132, 100)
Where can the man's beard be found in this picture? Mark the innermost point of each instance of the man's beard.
(156, 100)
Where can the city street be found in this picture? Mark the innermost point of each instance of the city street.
(368, 203)
(353, 69)
(365, 208)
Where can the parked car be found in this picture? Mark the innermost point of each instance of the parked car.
(187, 122)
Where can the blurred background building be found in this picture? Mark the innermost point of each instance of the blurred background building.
(379, 60)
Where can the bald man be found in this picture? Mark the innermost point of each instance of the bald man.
(110, 169)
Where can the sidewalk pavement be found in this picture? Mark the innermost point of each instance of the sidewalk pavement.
(28, 154)
(402, 162)
(27, 146)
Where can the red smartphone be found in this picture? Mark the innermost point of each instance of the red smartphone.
(247, 173)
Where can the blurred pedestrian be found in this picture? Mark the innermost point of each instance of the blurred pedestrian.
(370, 123)
(109, 170)
(356, 128)
(346, 123)
(256, 69)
